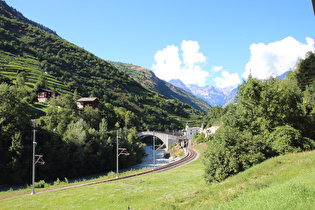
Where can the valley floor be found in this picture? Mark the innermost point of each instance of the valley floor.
(285, 182)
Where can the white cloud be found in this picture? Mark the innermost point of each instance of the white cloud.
(168, 64)
(217, 68)
(191, 54)
(227, 80)
(276, 58)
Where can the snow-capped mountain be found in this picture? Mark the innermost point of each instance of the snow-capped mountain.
(214, 96)
(180, 84)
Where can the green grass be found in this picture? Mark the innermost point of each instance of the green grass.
(298, 193)
(37, 110)
(285, 182)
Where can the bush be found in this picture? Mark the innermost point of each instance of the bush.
(199, 138)
(40, 184)
(111, 174)
(230, 152)
(57, 182)
(286, 139)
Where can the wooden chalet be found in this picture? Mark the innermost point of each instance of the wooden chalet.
(44, 95)
(82, 102)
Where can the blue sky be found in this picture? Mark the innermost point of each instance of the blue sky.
(204, 42)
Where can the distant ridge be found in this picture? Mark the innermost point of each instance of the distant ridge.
(214, 96)
(148, 79)
(284, 75)
(179, 83)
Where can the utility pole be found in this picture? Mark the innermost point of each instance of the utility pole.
(187, 141)
(123, 151)
(153, 150)
(33, 162)
(117, 176)
(173, 146)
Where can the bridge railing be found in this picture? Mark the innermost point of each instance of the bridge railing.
(176, 133)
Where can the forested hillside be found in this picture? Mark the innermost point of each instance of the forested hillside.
(73, 143)
(271, 117)
(148, 79)
(33, 51)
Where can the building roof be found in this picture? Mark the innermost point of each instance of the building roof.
(87, 99)
(45, 90)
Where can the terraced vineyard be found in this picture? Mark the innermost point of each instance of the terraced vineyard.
(11, 66)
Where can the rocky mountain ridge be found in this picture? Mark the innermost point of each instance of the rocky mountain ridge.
(214, 96)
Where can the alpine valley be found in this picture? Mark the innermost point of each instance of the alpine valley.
(201, 98)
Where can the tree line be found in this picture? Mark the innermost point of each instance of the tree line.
(89, 75)
(269, 118)
(73, 143)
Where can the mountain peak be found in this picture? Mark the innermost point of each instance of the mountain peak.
(180, 84)
(214, 96)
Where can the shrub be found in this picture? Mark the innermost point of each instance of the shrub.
(286, 139)
(40, 184)
(199, 138)
(57, 182)
(230, 152)
(111, 174)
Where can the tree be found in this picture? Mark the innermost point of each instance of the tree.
(131, 120)
(76, 95)
(286, 139)
(272, 109)
(76, 132)
(14, 125)
(4, 79)
(231, 151)
(264, 105)
(91, 117)
(68, 102)
(213, 117)
(20, 80)
(308, 109)
(305, 72)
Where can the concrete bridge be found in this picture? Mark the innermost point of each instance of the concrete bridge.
(166, 138)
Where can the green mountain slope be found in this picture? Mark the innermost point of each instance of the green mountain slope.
(74, 143)
(44, 58)
(10, 12)
(148, 79)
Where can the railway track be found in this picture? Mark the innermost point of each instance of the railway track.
(190, 157)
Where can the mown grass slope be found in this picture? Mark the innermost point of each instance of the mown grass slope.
(284, 182)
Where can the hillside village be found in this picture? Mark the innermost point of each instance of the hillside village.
(44, 95)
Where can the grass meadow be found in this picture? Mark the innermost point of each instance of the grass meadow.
(285, 182)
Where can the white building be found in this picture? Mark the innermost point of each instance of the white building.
(191, 131)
